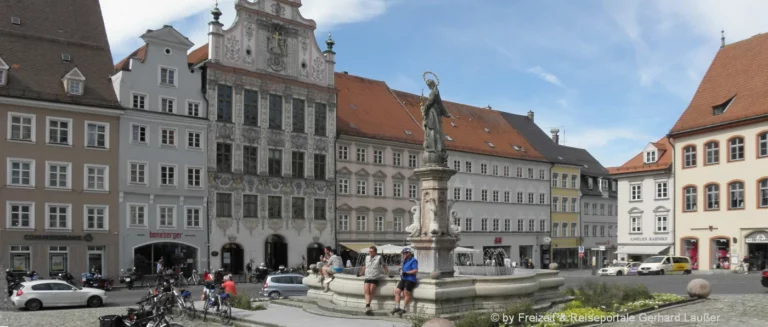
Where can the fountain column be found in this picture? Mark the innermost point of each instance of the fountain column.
(435, 244)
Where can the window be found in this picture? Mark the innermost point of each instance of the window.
(531, 225)
(58, 263)
(507, 196)
(484, 225)
(736, 149)
(650, 156)
(661, 224)
(96, 178)
(275, 207)
(634, 225)
(495, 170)
(468, 167)
(275, 111)
(468, 194)
(594, 209)
(298, 114)
(574, 180)
(736, 192)
(457, 221)
(22, 127)
(194, 177)
(689, 156)
(139, 134)
(362, 187)
(398, 223)
(58, 175)
(166, 217)
(636, 192)
(542, 174)
(250, 206)
(574, 205)
(585, 233)
(564, 206)
(762, 145)
(602, 209)
(59, 131)
(193, 108)
(97, 135)
(602, 230)
(713, 152)
(21, 172)
(297, 164)
(412, 191)
(573, 229)
(495, 196)
(320, 209)
(519, 197)
(193, 219)
(298, 208)
(397, 190)
(397, 159)
(321, 119)
(713, 196)
(194, 140)
(58, 216)
(412, 161)
(762, 190)
(362, 223)
(74, 86)
(542, 198)
(167, 136)
(275, 162)
(137, 214)
(138, 101)
(542, 225)
(379, 224)
(564, 183)
(555, 229)
(343, 223)
(594, 230)
(319, 167)
(483, 169)
(661, 190)
(167, 76)
(690, 198)
(167, 105)
(484, 195)
(530, 172)
(224, 103)
(555, 201)
(167, 175)
(20, 214)
(610, 209)
(586, 208)
(138, 172)
(378, 157)
(530, 198)
(457, 193)
(565, 229)
(343, 186)
(362, 154)
(519, 172)
(343, 153)
(554, 179)
(224, 205)
(589, 183)
(378, 188)
(506, 171)
(457, 165)
(251, 107)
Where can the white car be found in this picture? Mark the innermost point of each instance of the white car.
(616, 269)
(55, 293)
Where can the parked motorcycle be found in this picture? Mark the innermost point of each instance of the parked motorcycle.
(131, 276)
(67, 277)
(32, 275)
(95, 280)
(13, 279)
(260, 274)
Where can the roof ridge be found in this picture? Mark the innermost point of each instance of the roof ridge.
(360, 77)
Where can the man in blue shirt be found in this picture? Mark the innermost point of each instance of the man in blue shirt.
(407, 281)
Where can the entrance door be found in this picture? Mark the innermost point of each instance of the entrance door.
(276, 251)
(232, 257)
(314, 251)
(96, 259)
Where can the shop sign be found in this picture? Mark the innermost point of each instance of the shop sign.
(164, 235)
(53, 237)
(757, 237)
(497, 240)
(649, 239)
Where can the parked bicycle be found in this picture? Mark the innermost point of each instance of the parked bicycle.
(218, 300)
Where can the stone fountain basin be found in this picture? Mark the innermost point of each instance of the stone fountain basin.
(441, 297)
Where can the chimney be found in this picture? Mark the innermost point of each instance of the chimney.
(555, 136)
(488, 107)
(530, 115)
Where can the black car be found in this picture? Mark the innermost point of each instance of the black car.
(764, 279)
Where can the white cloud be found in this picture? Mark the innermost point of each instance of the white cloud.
(541, 73)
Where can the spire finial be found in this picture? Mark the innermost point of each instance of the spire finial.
(330, 43)
(722, 39)
(216, 12)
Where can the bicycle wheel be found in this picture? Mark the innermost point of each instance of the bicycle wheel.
(226, 311)
(190, 309)
(205, 308)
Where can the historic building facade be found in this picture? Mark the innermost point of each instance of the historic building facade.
(58, 189)
(599, 213)
(720, 144)
(271, 136)
(646, 219)
(163, 158)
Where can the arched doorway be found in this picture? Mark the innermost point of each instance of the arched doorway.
(314, 252)
(689, 247)
(232, 255)
(276, 251)
(174, 255)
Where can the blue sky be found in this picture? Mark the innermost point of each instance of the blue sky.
(613, 75)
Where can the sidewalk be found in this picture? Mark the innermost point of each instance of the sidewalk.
(287, 316)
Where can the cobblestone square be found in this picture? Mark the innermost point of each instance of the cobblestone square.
(74, 317)
(719, 310)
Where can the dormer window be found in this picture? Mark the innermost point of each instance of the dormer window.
(589, 183)
(3, 72)
(603, 185)
(650, 156)
(720, 109)
(74, 82)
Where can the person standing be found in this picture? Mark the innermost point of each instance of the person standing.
(407, 281)
(373, 270)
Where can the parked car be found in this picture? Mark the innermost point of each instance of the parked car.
(633, 267)
(55, 293)
(662, 264)
(280, 285)
(616, 269)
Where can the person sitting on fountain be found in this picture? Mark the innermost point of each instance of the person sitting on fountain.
(335, 265)
(373, 270)
(407, 281)
(323, 262)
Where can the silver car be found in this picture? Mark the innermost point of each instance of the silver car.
(277, 286)
(55, 293)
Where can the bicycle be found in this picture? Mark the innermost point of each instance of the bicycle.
(194, 279)
(215, 298)
(741, 268)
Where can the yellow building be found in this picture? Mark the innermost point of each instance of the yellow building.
(564, 248)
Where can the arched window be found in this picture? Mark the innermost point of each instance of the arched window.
(713, 196)
(762, 145)
(736, 149)
(712, 152)
(689, 156)
(736, 195)
(762, 191)
(690, 198)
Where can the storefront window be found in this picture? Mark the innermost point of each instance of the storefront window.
(58, 260)
(175, 255)
(566, 258)
(21, 256)
(720, 248)
(96, 259)
(690, 248)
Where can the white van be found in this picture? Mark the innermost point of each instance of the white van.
(662, 264)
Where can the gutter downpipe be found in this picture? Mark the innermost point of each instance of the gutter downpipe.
(549, 248)
(203, 89)
(674, 201)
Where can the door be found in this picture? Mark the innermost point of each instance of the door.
(44, 292)
(300, 288)
(64, 294)
(666, 265)
(285, 285)
(96, 259)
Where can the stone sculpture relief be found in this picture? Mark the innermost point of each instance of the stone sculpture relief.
(415, 228)
(225, 132)
(232, 48)
(430, 206)
(278, 9)
(277, 48)
(318, 69)
(455, 230)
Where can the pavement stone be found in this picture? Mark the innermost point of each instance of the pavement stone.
(74, 317)
(720, 310)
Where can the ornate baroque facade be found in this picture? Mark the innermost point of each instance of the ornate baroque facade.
(272, 133)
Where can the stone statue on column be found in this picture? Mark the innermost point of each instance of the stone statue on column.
(432, 112)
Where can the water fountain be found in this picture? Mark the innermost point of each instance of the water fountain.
(443, 290)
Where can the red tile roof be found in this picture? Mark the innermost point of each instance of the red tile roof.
(739, 71)
(139, 54)
(198, 55)
(637, 163)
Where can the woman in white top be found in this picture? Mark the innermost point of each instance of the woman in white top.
(373, 270)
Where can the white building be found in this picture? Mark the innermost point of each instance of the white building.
(646, 203)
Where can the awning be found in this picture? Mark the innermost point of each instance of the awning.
(641, 249)
(356, 246)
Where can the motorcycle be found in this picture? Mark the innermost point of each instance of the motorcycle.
(32, 275)
(95, 280)
(130, 276)
(67, 277)
(13, 279)
(261, 273)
